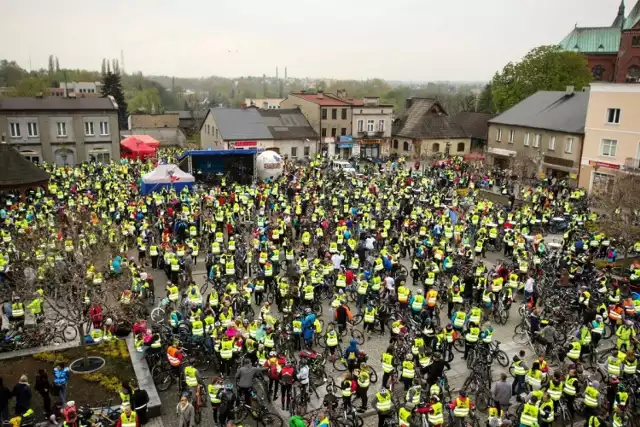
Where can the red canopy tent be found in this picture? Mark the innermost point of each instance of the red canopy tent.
(146, 139)
(130, 149)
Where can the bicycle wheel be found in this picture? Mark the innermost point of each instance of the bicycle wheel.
(357, 319)
(157, 314)
(482, 400)
(595, 374)
(500, 317)
(458, 345)
(521, 339)
(317, 309)
(340, 365)
(520, 328)
(502, 358)
(373, 375)
(358, 336)
(165, 379)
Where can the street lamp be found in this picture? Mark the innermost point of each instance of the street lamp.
(538, 159)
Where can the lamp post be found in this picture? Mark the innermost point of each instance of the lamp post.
(538, 159)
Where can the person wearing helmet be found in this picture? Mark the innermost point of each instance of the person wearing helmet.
(625, 333)
(273, 371)
(417, 302)
(404, 415)
(461, 406)
(351, 354)
(408, 371)
(227, 399)
(383, 405)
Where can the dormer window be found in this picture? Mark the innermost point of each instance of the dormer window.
(600, 48)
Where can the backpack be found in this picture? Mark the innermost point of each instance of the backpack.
(287, 376)
(273, 370)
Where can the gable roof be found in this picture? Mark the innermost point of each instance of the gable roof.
(252, 123)
(633, 18)
(419, 121)
(16, 171)
(325, 99)
(474, 124)
(57, 103)
(550, 110)
(592, 40)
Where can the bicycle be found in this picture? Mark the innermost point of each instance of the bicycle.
(260, 415)
(158, 314)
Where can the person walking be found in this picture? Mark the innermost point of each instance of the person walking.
(43, 387)
(140, 400)
(61, 376)
(501, 393)
(185, 412)
(22, 393)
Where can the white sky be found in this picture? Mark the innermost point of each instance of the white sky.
(396, 40)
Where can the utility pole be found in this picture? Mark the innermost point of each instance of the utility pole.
(122, 61)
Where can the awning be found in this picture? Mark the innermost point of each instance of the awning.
(473, 156)
(502, 152)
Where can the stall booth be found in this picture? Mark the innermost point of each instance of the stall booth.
(166, 176)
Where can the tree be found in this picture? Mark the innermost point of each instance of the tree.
(103, 70)
(31, 86)
(111, 85)
(543, 68)
(147, 100)
(485, 100)
(467, 102)
(617, 207)
(51, 65)
(11, 73)
(57, 65)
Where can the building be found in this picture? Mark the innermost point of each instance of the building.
(613, 52)
(476, 127)
(328, 115)
(542, 133)
(66, 131)
(77, 89)
(371, 128)
(263, 103)
(285, 131)
(424, 129)
(163, 127)
(189, 121)
(612, 135)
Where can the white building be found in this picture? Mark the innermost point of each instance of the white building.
(371, 126)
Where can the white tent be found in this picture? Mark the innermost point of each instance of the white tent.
(163, 175)
(166, 176)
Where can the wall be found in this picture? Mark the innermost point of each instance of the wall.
(154, 120)
(48, 142)
(341, 126)
(209, 138)
(371, 113)
(557, 158)
(167, 137)
(628, 55)
(626, 97)
(607, 62)
(425, 147)
(284, 147)
(310, 110)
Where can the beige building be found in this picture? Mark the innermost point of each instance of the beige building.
(328, 115)
(66, 131)
(541, 135)
(371, 127)
(424, 129)
(612, 135)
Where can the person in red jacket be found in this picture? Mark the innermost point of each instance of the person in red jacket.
(287, 375)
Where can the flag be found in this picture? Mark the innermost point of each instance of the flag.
(174, 178)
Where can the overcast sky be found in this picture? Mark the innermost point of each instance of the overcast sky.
(357, 39)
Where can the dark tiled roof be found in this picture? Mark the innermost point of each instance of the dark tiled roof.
(56, 103)
(435, 126)
(188, 115)
(474, 124)
(550, 110)
(16, 171)
(422, 121)
(325, 99)
(252, 123)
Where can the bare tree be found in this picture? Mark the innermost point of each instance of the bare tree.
(618, 205)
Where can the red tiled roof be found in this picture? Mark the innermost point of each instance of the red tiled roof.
(326, 99)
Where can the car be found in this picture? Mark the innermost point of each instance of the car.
(343, 165)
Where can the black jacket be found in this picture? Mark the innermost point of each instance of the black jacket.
(22, 393)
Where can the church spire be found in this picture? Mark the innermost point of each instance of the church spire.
(620, 17)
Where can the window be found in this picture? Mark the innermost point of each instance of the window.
(370, 125)
(613, 115)
(526, 139)
(609, 147)
(499, 135)
(104, 128)
(536, 141)
(406, 146)
(568, 146)
(343, 131)
(334, 113)
(88, 128)
(15, 130)
(460, 147)
(99, 157)
(333, 131)
(512, 134)
(381, 125)
(32, 129)
(217, 134)
(294, 152)
(344, 114)
(360, 125)
(635, 41)
(307, 151)
(323, 132)
(62, 128)
(31, 155)
(395, 144)
(435, 147)
(324, 114)
(552, 143)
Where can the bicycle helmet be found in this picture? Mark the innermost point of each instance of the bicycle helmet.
(272, 354)
(228, 386)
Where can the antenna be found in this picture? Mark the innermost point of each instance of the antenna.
(122, 61)
(285, 73)
(276, 73)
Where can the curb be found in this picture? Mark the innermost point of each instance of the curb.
(145, 381)
(35, 350)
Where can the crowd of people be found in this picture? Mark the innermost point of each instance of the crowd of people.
(272, 251)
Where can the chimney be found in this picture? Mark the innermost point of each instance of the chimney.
(569, 91)
(320, 94)
(39, 95)
(407, 103)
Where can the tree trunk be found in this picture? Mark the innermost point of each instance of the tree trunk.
(83, 344)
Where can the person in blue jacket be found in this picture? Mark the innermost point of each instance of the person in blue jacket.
(351, 355)
(308, 326)
(61, 376)
(117, 265)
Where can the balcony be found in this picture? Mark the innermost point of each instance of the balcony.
(370, 133)
(631, 163)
